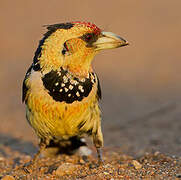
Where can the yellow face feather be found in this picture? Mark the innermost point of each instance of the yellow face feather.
(79, 56)
(80, 51)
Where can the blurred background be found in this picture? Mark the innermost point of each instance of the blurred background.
(141, 83)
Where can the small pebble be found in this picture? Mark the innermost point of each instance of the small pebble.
(2, 158)
(85, 151)
(107, 166)
(136, 164)
(106, 173)
(156, 153)
(66, 169)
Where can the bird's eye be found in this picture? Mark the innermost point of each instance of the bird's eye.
(65, 48)
(88, 37)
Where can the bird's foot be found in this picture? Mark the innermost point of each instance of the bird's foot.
(27, 167)
(100, 160)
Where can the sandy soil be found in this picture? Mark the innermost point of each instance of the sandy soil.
(140, 84)
(116, 166)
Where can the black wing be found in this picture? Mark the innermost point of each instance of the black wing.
(99, 93)
(25, 88)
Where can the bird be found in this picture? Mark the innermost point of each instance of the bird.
(60, 90)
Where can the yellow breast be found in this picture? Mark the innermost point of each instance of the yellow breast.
(51, 118)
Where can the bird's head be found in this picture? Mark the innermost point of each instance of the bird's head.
(73, 46)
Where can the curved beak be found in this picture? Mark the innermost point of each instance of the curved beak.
(109, 40)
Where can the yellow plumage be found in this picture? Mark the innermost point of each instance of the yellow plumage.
(60, 90)
(59, 119)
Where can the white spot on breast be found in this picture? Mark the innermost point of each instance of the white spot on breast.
(59, 73)
(77, 94)
(73, 82)
(69, 76)
(62, 85)
(65, 79)
(66, 90)
(61, 90)
(71, 87)
(69, 95)
(56, 84)
(81, 88)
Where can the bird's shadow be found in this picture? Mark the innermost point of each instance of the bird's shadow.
(16, 144)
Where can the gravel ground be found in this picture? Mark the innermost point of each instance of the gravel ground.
(116, 166)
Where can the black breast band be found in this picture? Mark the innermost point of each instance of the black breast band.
(64, 87)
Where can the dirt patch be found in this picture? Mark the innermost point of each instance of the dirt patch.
(116, 166)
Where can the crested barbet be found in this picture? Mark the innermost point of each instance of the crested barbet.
(61, 90)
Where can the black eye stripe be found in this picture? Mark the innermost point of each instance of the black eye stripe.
(65, 48)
